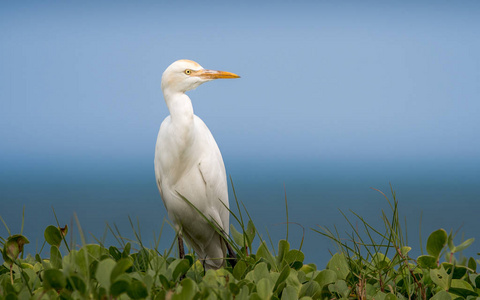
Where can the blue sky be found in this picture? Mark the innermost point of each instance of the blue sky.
(331, 92)
(321, 81)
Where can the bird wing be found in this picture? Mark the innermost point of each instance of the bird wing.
(212, 169)
(157, 162)
(196, 173)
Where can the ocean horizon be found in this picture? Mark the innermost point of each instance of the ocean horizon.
(431, 195)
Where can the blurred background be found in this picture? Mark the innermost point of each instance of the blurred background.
(335, 98)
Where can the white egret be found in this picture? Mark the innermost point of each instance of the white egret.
(189, 164)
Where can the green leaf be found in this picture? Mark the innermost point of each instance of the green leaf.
(76, 283)
(310, 268)
(265, 253)
(179, 267)
(450, 244)
(5, 257)
(103, 272)
(264, 288)
(440, 277)
(379, 295)
(11, 296)
(310, 289)
(282, 277)
(302, 277)
(472, 264)
(462, 284)
(53, 279)
(464, 245)
(458, 271)
(120, 267)
(297, 265)
(237, 236)
(25, 265)
(164, 281)
(85, 256)
(325, 277)
(380, 261)
(243, 295)
(260, 272)
(233, 288)
(427, 261)
(461, 288)
(92, 269)
(250, 231)
(191, 259)
(370, 291)
(442, 295)
(283, 248)
(115, 253)
(13, 246)
(137, 290)
(390, 297)
(147, 279)
(436, 241)
(255, 296)
(119, 287)
(340, 287)
(293, 256)
(188, 290)
(126, 250)
(239, 270)
(55, 257)
(210, 278)
(141, 259)
(53, 236)
(477, 281)
(339, 265)
(289, 292)
(8, 288)
(159, 264)
(405, 249)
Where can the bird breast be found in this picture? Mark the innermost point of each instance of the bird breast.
(179, 161)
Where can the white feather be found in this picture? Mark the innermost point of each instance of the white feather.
(189, 163)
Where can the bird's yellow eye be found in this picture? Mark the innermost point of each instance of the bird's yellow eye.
(188, 72)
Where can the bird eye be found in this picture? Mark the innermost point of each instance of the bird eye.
(188, 72)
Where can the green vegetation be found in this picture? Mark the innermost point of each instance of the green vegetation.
(371, 263)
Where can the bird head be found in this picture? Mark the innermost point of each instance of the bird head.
(185, 75)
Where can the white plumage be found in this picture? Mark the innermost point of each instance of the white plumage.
(189, 163)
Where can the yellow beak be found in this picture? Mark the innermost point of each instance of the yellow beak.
(211, 74)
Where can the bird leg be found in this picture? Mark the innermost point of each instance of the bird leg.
(231, 254)
(181, 250)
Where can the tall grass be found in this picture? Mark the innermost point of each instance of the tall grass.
(370, 263)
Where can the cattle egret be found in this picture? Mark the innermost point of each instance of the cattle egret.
(188, 165)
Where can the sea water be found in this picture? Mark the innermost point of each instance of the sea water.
(430, 196)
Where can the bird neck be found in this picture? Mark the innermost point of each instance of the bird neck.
(180, 107)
